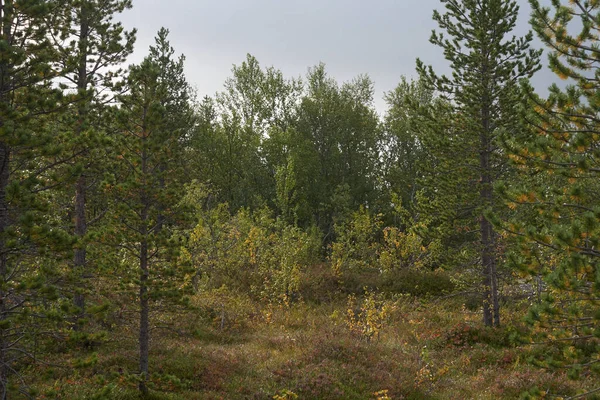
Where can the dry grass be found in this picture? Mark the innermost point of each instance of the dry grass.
(232, 348)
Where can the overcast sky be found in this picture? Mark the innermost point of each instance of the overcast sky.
(381, 38)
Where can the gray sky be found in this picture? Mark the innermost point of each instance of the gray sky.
(381, 38)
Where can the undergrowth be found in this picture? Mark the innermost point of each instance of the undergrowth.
(358, 347)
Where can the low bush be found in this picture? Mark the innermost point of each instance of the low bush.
(318, 284)
(355, 248)
(367, 317)
(417, 282)
(463, 334)
(250, 252)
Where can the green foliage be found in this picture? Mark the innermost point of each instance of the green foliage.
(267, 140)
(224, 310)
(355, 248)
(479, 105)
(145, 187)
(264, 207)
(397, 261)
(33, 241)
(337, 139)
(557, 234)
(367, 318)
(405, 156)
(251, 252)
(91, 47)
(403, 250)
(243, 134)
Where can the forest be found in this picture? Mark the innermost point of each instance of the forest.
(282, 239)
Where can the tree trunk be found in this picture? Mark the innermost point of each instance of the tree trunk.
(491, 307)
(144, 269)
(80, 231)
(494, 275)
(4, 223)
(6, 10)
(79, 259)
(144, 317)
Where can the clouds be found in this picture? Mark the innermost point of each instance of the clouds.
(381, 37)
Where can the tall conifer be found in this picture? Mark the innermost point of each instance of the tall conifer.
(91, 46)
(29, 241)
(483, 95)
(561, 236)
(147, 184)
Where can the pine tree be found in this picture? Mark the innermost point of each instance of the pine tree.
(483, 95)
(31, 244)
(561, 234)
(178, 96)
(147, 185)
(91, 47)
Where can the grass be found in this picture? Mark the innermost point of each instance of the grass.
(425, 349)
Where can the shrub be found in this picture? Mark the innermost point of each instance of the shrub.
(285, 395)
(367, 318)
(224, 309)
(355, 248)
(250, 252)
(463, 334)
(318, 284)
(417, 282)
(401, 250)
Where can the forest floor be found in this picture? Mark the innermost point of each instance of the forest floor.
(233, 348)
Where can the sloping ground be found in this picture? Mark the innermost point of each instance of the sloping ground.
(229, 348)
